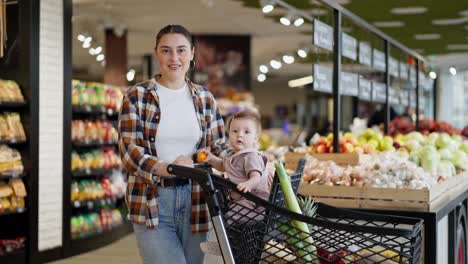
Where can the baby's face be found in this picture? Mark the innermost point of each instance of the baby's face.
(243, 134)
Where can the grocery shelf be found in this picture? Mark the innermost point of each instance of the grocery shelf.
(92, 203)
(83, 245)
(94, 110)
(92, 172)
(12, 105)
(77, 144)
(16, 257)
(12, 176)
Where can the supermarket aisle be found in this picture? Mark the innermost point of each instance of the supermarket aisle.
(123, 251)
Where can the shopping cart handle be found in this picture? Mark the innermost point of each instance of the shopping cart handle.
(198, 175)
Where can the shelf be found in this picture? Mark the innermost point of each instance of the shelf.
(93, 144)
(92, 173)
(12, 105)
(16, 257)
(13, 142)
(17, 212)
(94, 110)
(12, 176)
(83, 245)
(95, 203)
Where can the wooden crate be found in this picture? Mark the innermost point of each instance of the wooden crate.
(425, 200)
(342, 159)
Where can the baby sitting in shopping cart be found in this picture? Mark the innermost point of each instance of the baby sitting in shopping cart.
(246, 167)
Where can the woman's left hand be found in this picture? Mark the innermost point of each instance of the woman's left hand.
(183, 161)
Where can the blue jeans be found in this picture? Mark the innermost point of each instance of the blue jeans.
(172, 241)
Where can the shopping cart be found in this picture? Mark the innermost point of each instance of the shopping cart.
(261, 231)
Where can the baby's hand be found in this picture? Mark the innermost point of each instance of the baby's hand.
(245, 187)
(204, 156)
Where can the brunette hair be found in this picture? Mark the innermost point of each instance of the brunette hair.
(248, 113)
(174, 29)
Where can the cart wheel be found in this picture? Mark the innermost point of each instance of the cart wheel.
(461, 241)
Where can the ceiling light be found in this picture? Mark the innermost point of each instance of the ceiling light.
(453, 71)
(286, 20)
(426, 36)
(299, 21)
(457, 47)
(100, 57)
(389, 24)
(86, 45)
(275, 64)
(302, 53)
(98, 50)
(92, 51)
(130, 75)
(263, 68)
(301, 81)
(81, 37)
(433, 75)
(267, 6)
(261, 77)
(288, 59)
(450, 21)
(88, 39)
(410, 10)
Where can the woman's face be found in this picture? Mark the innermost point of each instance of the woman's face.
(174, 55)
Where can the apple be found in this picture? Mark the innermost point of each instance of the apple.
(348, 148)
(322, 148)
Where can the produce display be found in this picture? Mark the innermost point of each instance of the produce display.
(8, 246)
(11, 128)
(95, 223)
(10, 92)
(12, 195)
(87, 131)
(96, 95)
(97, 159)
(10, 161)
(426, 126)
(82, 190)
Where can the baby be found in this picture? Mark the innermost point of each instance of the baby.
(244, 166)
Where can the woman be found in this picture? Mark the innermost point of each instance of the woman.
(166, 120)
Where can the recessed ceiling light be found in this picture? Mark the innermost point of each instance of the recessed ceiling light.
(457, 47)
(463, 13)
(450, 21)
(410, 10)
(317, 12)
(426, 36)
(453, 71)
(263, 68)
(389, 24)
(261, 77)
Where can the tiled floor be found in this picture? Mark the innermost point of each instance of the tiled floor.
(123, 251)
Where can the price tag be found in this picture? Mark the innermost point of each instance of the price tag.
(378, 61)
(364, 53)
(349, 84)
(365, 89)
(378, 92)
(349, 46)
(323, 78)
(393, 67)
(393, 96)
(403, 71)
(412, 76)
(404, 97)
(323, 35)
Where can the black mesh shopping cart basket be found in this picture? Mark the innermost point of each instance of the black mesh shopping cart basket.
(253, 230)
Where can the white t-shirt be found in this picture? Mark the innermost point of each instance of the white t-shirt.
(178, 130)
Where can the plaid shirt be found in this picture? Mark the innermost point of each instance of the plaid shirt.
(138, 124)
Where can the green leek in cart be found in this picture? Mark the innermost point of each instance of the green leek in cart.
(304, 247)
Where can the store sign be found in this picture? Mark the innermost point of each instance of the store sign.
(378, 60)
(349, 46)
(393, 96)
(365, 89)
(403, 71)
(323, 77)
(404, 97)
(393, 67)
(412, 76)
(378, 92)
(349, 84)
(323, 35)
(365, 54)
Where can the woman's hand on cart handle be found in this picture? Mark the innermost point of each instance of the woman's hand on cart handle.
(184, 161)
